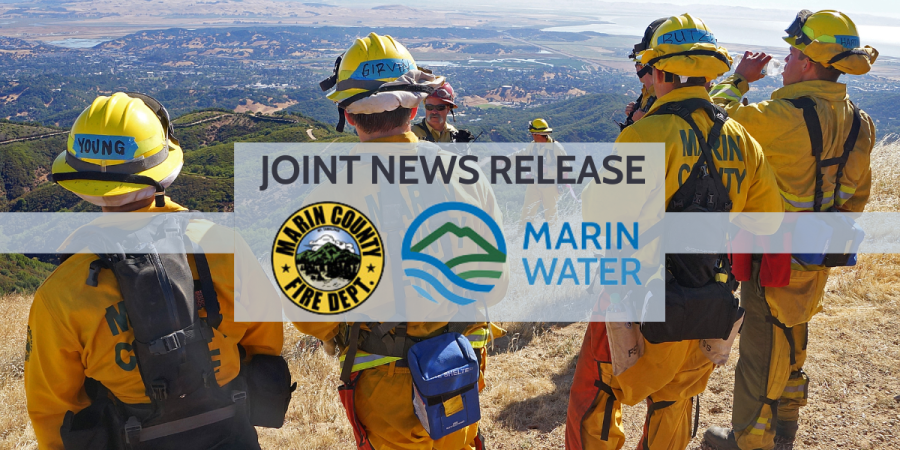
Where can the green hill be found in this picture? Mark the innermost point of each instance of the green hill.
(206, 182)
(207, 138)
(19, 273)
(584, 119)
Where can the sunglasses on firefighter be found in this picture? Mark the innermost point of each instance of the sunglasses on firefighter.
(436, 107)
(642, 69)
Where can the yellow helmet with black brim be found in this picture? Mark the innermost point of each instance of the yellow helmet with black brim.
(377, 74)
(830, 38)
(683, 45)
(121, 149)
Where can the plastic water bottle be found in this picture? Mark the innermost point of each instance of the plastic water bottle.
(626, 343)
(717, 350)
(774, 68)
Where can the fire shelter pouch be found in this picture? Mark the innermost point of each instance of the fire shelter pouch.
(836, 237)
(445, 375)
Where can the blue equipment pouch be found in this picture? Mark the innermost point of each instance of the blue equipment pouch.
(445, 375)
(836, 237)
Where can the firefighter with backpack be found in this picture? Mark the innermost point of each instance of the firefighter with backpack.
(379, 360)
(141, 349)
(819, 145)
(683, 56)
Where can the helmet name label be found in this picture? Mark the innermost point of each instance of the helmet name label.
(383, 68)
(96, 146)
(847, 41)
(686, 36)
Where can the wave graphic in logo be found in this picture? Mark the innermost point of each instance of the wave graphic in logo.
(492, 254)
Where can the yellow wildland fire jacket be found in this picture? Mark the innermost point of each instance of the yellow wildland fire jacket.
(781, 130)
(443, 136)
(738, 157)
(679, 370)
(77, 331)
(416, 198)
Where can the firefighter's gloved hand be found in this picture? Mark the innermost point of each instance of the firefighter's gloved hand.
(463, 136)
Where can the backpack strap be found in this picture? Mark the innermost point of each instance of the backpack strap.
(637, 105)
(849, 144)
(207, 289)
(814, 128)
(352, 346)
(705, 162)
(650, 101)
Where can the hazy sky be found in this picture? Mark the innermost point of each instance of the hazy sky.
(761, 22)
(873, 7)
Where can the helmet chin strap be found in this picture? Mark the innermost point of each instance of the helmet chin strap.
(341, 120)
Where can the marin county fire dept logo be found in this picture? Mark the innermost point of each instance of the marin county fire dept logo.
(328, 258)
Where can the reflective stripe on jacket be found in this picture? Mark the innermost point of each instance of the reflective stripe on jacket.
(478, 335)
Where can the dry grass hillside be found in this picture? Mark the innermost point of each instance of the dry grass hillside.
(853, 364)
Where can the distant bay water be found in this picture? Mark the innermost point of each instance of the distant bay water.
(77, 42)
(766, 33)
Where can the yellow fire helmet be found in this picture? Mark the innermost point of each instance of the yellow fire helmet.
(685, 46)
(120, 150)
(639, 48)
(377, 74)
(830, 39)
(539, 126)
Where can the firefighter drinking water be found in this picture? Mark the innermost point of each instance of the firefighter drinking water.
(819, 144)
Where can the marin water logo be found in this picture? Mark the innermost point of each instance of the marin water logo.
(477, 280)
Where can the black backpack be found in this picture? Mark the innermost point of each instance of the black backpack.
(171, 344)
(700, 303)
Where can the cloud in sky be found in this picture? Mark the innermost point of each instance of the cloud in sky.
(327, 238)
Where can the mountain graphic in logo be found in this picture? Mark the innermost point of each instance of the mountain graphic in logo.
(463, 279)
(331, 266)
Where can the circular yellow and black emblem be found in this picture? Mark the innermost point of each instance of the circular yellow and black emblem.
(328, 258)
